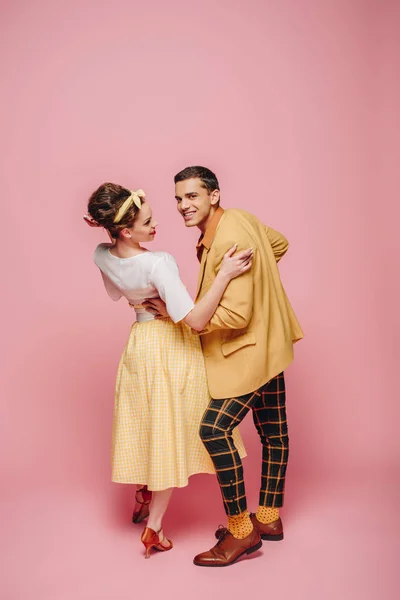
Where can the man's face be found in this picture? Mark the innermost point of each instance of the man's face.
(195, 203)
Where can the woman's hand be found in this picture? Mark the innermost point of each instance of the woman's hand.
(90, 221)
(234, 265)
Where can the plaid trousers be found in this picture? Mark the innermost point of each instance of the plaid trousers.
(269, 415)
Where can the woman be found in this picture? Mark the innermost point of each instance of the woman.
(161, 391)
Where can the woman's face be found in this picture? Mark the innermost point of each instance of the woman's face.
(144, 227)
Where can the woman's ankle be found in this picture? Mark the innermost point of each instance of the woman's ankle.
(155, 524)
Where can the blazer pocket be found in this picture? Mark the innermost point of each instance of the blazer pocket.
(247, 339)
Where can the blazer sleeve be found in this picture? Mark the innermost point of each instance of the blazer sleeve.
(278, 243)
(236, 305)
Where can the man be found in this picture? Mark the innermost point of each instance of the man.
(247, 345)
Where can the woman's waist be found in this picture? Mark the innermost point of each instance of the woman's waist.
(143, 316)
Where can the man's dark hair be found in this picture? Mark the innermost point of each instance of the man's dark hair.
(208, 178)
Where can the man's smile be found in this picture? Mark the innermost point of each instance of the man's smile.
(188, 215)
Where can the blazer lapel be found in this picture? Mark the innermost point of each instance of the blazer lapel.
(202, 269)
(207, 243)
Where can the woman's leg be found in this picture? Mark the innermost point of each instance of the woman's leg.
(143, 498)
(158, 506)
(139, 492)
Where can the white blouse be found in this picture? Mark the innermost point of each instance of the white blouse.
(143, 276)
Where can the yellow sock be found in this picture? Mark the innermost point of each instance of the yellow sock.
(266, 514)
(240, 526)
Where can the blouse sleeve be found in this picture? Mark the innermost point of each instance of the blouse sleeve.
(111, 289)
(165, 278)
(99, 259)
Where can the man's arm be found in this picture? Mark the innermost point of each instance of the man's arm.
(278, 243)
(236, 305)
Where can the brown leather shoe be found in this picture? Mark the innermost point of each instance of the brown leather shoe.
(273, 532)
(228, 550)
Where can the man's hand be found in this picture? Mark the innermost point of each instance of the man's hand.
(156, 307)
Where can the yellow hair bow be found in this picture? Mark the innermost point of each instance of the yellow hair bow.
(135, 198)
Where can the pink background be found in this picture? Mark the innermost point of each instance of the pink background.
(294, 104)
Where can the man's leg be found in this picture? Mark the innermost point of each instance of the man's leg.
(219, 420)
(240, 537)
(269, 414)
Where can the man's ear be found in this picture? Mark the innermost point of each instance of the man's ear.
(215, 196)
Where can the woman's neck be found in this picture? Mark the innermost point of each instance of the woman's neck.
(124, 249)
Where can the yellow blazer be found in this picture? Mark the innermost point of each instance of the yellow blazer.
(250, 338)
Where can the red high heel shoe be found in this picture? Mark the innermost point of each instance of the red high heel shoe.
(152, 539)
(143, 512)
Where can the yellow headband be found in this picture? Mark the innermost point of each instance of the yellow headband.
(134, 198)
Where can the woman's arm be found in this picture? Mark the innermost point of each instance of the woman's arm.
(232, 266)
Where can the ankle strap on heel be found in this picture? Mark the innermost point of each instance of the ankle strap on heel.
(146, 495)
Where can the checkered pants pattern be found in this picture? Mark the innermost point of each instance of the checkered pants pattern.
(269, 415)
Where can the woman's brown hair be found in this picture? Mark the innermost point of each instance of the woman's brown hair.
(104, 204)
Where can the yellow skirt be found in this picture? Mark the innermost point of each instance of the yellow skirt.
(161, 395)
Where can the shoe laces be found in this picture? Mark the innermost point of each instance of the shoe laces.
(222, 532)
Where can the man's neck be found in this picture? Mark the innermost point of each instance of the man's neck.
(204, 224)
